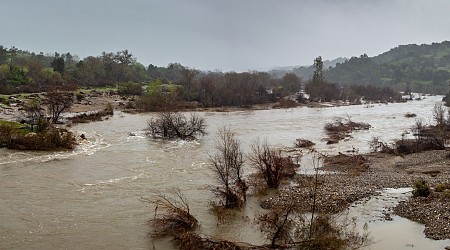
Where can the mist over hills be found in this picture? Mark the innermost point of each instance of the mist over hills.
(422, 68)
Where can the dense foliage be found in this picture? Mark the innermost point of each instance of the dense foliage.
(160, 87)
(18, 136)
(419, 68)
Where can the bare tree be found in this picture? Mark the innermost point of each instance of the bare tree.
(33, 109)
(418, 130)
(270, 165)
(188, 76)
(439, 111)
(279, 224)
(170, 125)
(57, 102)
(227, 167)
(176, 218)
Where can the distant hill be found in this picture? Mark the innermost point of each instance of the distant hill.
(421, 68)
(305, 72)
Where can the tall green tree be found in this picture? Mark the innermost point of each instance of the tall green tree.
(318, 70)
(58, 65)
(3, 55)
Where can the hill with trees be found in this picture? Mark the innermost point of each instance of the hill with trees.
(420, 68)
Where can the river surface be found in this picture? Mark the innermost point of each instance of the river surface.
(92, 197)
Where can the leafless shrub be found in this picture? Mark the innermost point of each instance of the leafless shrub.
(175, 219)
(278, 225)
(34, 111)
(270, 165)
(327, 233)
(376, 145)
(338, 130)
(439, 112)
(304, 143)
(189, 241)
(170, 125)
(418, 130)
(221, 212)
(426, 138)
(227, 167)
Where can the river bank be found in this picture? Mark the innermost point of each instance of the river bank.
(96, 189)
(338, 190)
(98, 101)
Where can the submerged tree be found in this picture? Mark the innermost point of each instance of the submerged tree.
(175, 219)
(279, 224)
(172, 125)
(227, 167)
(270, 164)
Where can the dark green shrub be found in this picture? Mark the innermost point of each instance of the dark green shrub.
(421, 188)
(130, 88)
(13, 136)
(79, 96)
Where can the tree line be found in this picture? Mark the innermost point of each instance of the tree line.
(24, 71)
(176, 86)
(319, 89)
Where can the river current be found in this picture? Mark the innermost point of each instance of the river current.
(92, 197)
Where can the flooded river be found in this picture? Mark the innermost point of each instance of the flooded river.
(91, 198)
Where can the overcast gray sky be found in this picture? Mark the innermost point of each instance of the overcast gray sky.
(223, 34)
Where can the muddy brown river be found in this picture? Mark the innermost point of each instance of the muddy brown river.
(91, 198)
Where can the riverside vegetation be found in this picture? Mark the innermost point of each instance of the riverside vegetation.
(176, 87)
(285, 226)
(309, 224)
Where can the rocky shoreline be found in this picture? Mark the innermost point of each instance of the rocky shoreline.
(432, 211)
(338, 190)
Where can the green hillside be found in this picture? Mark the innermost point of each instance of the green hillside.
(421, 68)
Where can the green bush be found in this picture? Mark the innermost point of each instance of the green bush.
(130, 88)
(80, 96)
(441, 187)
(15, 136)
(421, 188)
